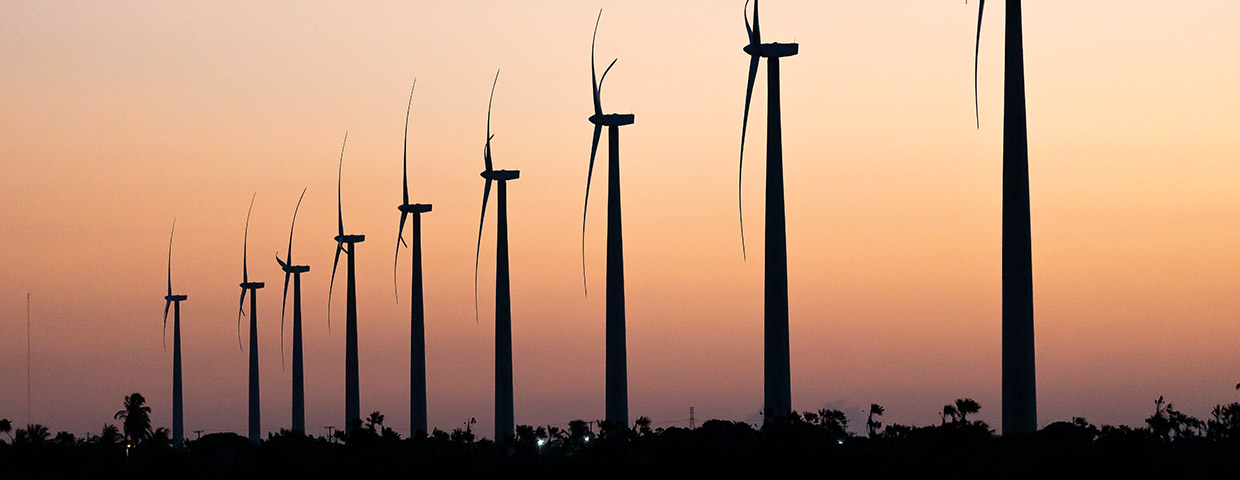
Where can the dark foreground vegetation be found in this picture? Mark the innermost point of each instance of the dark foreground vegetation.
(817, 443)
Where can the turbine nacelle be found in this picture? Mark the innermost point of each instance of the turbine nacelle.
(350, 239)
(252, 285)
(612, 119)
(772, 50)
(501, 174)
(296, 268)
(414, 208)
(176, 298)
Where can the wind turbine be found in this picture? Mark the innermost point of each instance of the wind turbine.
(417, 320)
(777, 399)
(256, 434)
(1020, 403)
(617, 392)
(352, 407)
(178, 413)
(299, 376)
(504, 424)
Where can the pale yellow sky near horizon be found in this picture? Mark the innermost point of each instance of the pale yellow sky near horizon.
(120, 117)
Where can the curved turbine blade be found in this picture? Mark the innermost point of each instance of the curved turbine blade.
(283, 302)
(977, 50)
(284, 266)
(396, 261)
(331, 284)
(245, 243)
(339, 172)
(755, 35)
(755, 41)
(598, 131)
(167, 302)
(486, 153)
(400, 239)
(340, 231)
(486, 192)
(598, 103)
(486, 157)
(602, 79)
(245, 268)
(405, 157)
(240, 307)
(289, 257)
(753, 74)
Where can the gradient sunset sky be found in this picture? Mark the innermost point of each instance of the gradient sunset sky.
(117, 118)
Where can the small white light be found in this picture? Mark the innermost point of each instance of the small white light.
(541, 442)
(840, 441)
(587, 439)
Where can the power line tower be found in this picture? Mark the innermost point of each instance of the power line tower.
(692, 420)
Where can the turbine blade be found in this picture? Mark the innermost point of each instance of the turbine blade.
(339, 171)
(331, 284)
(245, 244)
(487, 154)
(748, 29)
(755, 36)
(167, 303)
(289, 258)
(283, 304)
(603, 79)
(598, 103)
(486, 192)
(405, 158)
(240, 312)
(174, 231)
(399, 240)
(977, 50)
(753, 75)
(284, 266)
(598, 131)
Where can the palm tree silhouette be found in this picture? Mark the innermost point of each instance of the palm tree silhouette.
(135, 418)
(34, 434)
(949, 410)
(374, 422)
(872, 425)
(160, 438)
(109, 436)
(965, 407)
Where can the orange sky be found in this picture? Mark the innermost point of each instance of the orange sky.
(118, 118)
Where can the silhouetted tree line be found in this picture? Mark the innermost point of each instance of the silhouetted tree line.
(1170, 442)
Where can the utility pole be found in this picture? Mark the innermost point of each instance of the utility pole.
(29, 420)
(199, 433)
